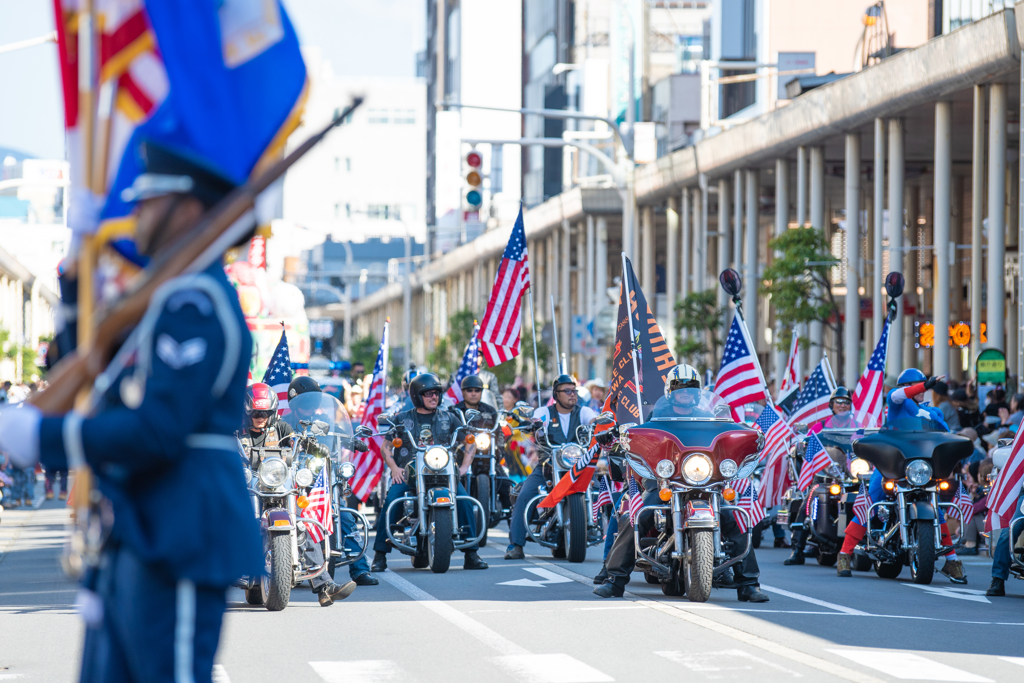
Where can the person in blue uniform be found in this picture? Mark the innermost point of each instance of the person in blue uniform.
(162, 446)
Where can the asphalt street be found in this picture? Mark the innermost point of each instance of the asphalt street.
(537, 621)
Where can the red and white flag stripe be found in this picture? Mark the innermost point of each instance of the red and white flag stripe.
(1002, 499)
(369, 464)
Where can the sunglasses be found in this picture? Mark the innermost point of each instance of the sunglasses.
(262, 414)
(842, 401)
(433, 392)
(472, 391)
(565, 391)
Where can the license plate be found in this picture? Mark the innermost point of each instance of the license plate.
(783, 517)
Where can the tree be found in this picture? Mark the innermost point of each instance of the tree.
(699, 316)
(447, 354)
(506, 372)
(799, 284)
(364, 350)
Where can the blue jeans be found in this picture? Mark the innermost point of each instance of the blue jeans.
(348, 527)
(1001, 556)
(613, 524)
(517, 524)
(466, 515)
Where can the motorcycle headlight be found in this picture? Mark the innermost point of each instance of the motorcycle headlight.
(859, 467)
(315, 465)
(348, 470)
(569, 455)
(697, 469)
(919, 472)
(436, 458)
(483, 442)
(303, 478)
(273, 472)
(728, 468)
(665, 469)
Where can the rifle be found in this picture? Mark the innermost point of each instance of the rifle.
(218, 230)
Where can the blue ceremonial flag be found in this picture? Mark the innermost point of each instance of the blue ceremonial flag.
(236, 83)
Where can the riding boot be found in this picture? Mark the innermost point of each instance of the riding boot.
(997, 589)
(954, 569)
(798, 548)
(843, 565)
(601, 575)
(380, 562)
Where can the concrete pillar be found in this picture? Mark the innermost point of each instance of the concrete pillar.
(703, 245)
(648, 273)
(696, 277)
(941, 220)
(582, 371)
(851, 330)
(750, 278)
(894, 358)
(687, 246)
(591, 308)
(956, 278)
(724, 248)
(781, 226)
(1012, 241)
(977, 216)
(877, 277)
(815, 330)
(801, 186)
(737, 221)
(671, 271)
(996, 216)
(601, 287)
(910, 256)
(565, 302)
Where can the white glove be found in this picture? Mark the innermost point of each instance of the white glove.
(19, 434)
(84, 210)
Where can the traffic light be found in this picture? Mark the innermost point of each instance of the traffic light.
(473, 179)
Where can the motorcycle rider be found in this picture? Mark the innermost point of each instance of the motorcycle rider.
(622, 558)
(562, 418)
(425, 393)
(842, 417)
(902, 403)
(359, 571)
(262, 428)
(472, 399)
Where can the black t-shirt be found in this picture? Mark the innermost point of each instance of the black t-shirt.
(259, 438)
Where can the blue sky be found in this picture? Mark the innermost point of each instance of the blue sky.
(376, 38)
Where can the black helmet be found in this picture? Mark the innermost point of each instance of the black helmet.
(562, 379)
(472, 382)
(420, 384)
(840, 392)
(302, 385)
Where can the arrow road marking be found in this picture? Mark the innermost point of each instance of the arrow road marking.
(546, 578)
(971, 594)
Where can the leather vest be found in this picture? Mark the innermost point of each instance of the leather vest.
(556, 436)
(272, 440)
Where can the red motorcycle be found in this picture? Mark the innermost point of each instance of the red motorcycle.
(690, 449)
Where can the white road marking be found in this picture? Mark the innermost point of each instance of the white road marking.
(10, 677)
(546, 577)
(488, 637)
(1019, 661)
(814, 601)
(361, 671)
(909, 666)
(715, 664)
(551, 669)
(971, 594)
(220, 675)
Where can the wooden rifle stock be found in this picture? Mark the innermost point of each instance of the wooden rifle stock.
(206, 241)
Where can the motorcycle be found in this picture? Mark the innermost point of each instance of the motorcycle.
(917, 457)
(568, 528)
(485, 473)
(830, 498)
(426, 526)
(692, 449)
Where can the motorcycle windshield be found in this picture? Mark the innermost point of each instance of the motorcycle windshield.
(691, 404)
(841, 431)
(913, 424)
(321, 416)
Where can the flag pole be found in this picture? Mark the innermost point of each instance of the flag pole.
(387, 347)
(736, 299)
(828, 368)
(533, 326)
(632, 340)
(554, 325)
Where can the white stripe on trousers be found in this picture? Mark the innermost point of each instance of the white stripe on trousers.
(184, 632)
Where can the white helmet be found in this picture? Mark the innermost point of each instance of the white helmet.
(681, 377)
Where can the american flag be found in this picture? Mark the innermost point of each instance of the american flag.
(746, 499)
(369, 464)
(1002, 499)
(739, 377)
(815, 460)
(777, 433)
(319, 508)
(775, 478)
(869, 396)
(636, 500)
(963, 505)
(861, 504)
(790, 380)
(470, 365)
(279, 373)
(604, 497)
(811, 403)
(499, 329)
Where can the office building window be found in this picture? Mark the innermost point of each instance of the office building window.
(348, 164)
(404, 116)
(384, 212)
(377, 116)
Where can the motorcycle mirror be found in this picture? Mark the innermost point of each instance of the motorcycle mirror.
(472, 415)
(363, 432)
(894, 284)
(321, 426)
(384, 420)
(731, 282)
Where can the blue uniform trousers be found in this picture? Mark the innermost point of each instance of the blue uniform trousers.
(528, 491)
(466, 515)
(154, 629)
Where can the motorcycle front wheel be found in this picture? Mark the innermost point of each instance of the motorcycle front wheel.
(440, 545)
(701, 565)
(254, 595)
(483, 494)
(922, 552)
(576, 530)
(276, 583)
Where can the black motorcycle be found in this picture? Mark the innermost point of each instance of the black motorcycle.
(486, 474)
(915, 456)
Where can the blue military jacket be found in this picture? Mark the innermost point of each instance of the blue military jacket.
(162, 441)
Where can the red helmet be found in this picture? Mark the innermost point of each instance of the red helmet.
(260, 398)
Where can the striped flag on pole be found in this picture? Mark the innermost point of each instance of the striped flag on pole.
(279, 373)
(470, 365)
(869, 396)
(861, 504)
(739, 380)
(777, 438)
(1002, 499)
(790, 381)
(319, 508)
(636, 500)
(811, 403)
(816, 459)
(746, 499)
(369, 464)
(963, 505)
(499, 328)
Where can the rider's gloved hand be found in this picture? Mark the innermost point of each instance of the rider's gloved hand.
(932, 381)
(606, 438)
